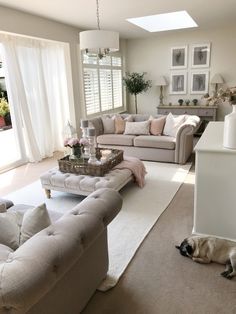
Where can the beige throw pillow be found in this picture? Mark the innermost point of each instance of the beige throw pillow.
(3, 207)
(120, 124)
(157, 125)
(34, 220)
(10, 223)
(172, 124)
(16, 227)
(108, 125)
(137, 128)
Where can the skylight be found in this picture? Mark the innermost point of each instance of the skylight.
(164, 22)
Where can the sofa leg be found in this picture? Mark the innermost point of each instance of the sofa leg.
(48, 193)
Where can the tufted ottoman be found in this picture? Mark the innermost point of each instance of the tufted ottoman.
(54, 179)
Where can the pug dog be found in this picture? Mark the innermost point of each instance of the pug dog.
(210, 249)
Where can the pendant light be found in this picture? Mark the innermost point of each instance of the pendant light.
(98, 41)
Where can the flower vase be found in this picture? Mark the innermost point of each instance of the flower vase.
(76, 151)
(229, 139)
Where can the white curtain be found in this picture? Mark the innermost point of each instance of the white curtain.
(37, 86)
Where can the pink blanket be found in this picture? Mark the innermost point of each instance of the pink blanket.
(136, 166)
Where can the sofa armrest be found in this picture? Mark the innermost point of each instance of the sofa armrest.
(184, 139)
(34, 268)
(7, 203)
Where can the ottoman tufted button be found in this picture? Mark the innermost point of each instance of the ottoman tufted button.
(50, 233)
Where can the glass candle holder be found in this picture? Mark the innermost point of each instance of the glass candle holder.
(92, 146)
(84, 128)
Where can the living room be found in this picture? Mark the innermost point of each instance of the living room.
(156, 279)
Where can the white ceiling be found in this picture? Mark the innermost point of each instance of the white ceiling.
(113, 13)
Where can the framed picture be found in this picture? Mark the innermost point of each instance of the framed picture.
(178, 82)
(199, 82)
(179, 57)
(201, 55)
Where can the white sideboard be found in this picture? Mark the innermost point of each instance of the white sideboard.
(215, 186)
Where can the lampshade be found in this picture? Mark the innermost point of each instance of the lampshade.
(94, 40)
(160, 81)
(217, 79)
(98, 41)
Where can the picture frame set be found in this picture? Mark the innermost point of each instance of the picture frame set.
(199, 79)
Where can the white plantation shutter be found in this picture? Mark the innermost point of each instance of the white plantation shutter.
(117, 88)
(102, 83)
(106, 89)
(91, 91)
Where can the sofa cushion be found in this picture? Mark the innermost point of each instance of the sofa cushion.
(165, 142)
(137, 128)
(4, 252)
(17, 227)
(120, 124)
(115, 139)
(157, 125)
(108, 125)
(3, 207)
(34, 220)
(173, 124)
(10, 223)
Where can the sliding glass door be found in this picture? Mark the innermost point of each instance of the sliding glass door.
(12, 150)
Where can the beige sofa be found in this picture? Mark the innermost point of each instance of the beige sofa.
(57, 270)
(150, 147)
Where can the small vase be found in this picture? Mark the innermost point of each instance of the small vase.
(76, 151)
(229, 139)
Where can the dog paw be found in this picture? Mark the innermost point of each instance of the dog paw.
(228, 277)
(224, 273)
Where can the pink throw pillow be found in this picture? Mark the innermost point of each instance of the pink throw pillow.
(157, 125)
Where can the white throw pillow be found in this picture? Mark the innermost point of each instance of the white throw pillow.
(34, 220)
(16, 227)
(137, 128)
(172, 124)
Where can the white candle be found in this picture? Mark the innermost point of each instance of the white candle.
(84, 123)
(91, 132)
(106, 153)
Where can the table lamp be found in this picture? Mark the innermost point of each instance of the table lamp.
(217, 79)
(161, 81)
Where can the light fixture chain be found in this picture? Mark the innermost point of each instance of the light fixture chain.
(98, 19)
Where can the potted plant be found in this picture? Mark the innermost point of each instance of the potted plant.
(187, 102)
(195, 101)
(4, 111)
(136, 84)
(180, 101)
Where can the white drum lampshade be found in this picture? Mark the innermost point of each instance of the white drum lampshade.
(94, 40)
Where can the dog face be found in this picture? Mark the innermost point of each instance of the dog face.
(185, 248)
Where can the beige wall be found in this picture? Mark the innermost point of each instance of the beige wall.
(26, 24)
(152, 55)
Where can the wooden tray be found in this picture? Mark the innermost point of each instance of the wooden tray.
(81, 166)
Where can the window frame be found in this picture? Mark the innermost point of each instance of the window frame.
(110, 67)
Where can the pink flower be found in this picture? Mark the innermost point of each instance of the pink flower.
(71, 142)
(84, 141)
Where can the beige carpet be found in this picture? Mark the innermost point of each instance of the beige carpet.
(161, 281)
(141, 209)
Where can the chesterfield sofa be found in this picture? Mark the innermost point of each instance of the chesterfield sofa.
(162, 148)
(58, 269)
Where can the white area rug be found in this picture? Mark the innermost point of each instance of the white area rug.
(141, 209)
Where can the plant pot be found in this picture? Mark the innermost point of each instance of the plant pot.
(2, 122)
(7, 118)
(229, 138)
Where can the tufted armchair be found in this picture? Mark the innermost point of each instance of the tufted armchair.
(57, 270)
